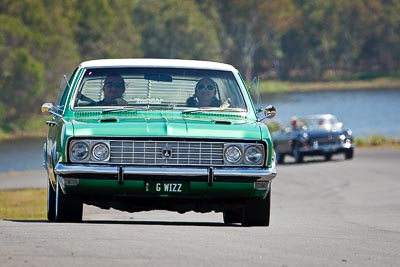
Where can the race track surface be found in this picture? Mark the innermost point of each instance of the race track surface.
(336, 213)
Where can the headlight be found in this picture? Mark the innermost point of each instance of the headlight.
(305, 138)
(243, 154)
(79, 151)
(253, 155)
(100, 151)
(85, 151)
(233, 154)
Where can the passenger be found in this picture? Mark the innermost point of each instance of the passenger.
(205, 94)
(113, 88)
(295, 123)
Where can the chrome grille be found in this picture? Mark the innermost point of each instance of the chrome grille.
(136, 152)
(327, 141)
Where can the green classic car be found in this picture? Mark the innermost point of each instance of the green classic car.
(167, 134)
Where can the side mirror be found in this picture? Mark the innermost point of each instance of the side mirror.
(270, 111)
(49, 108)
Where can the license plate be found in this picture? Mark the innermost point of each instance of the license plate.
(329, 148)
(166, 187)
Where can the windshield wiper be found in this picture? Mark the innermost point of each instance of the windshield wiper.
(199, 110)
(130, 108)
(121, 109)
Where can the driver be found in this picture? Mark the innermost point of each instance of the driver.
(113, 88)
(205, 94)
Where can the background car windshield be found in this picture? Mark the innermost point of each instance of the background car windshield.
(162, 87)
(319, 122)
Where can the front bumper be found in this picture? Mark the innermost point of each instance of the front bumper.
(322, 149)
(122, 173)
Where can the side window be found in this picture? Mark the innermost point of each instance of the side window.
(64, 90)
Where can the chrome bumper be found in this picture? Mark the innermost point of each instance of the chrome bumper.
(326, 148)
(78, 170)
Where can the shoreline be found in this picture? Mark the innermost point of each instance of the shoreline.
(286, 87)
(38, 129)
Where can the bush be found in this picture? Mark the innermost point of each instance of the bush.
(274, 126)
(377, 140)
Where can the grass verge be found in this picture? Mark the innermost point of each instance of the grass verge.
(24, 128)
(23, 204)
(378, 140)
(30, 204)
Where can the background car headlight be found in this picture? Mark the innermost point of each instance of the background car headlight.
(79, 151)
(100, 151)
(253, 155)
(233, 154)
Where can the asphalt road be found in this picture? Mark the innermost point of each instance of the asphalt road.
(337, 213)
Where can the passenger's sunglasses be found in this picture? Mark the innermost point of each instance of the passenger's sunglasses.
(203, 86)
(118, 85)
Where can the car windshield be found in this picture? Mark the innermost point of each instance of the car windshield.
(159, 88)
(327, 123)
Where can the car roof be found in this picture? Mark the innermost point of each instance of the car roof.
(160, 63)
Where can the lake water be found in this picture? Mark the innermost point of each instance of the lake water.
(364, 111)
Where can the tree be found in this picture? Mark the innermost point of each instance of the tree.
(249, 25)
(21, 74)
(104, 30)
(175, 29)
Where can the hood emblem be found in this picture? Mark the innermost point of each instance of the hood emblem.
(167, 152)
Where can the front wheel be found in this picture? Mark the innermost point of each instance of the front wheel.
(298, 156)
(51, 202)
(328, 157)
(257, 212)
(233, 216)
(349, 154)
(280, 158)
(67, 208)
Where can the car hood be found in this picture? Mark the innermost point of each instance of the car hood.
(235, 127)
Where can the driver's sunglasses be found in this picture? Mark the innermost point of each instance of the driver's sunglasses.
(210, 87)
(118, 85)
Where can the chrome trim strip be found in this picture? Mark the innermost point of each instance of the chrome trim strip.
(328, 147)
(262, 174)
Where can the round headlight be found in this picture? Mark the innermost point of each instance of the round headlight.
(79, 151)
(233, 154)
(253, 155)
(100, 151)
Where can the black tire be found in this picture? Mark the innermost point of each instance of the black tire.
(233, 216)
(349, 154)
(328, 157)
(257, 212)
(67, 208)
(51, 202)
(280, 158)
(297, 155)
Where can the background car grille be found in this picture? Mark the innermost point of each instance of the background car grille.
(326, 140)
(182, 153)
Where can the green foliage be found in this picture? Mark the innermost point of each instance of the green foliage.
(274, 126)
(293, 40)
(104, 30)
(377, 140)
(21, 83)
(175, 29)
